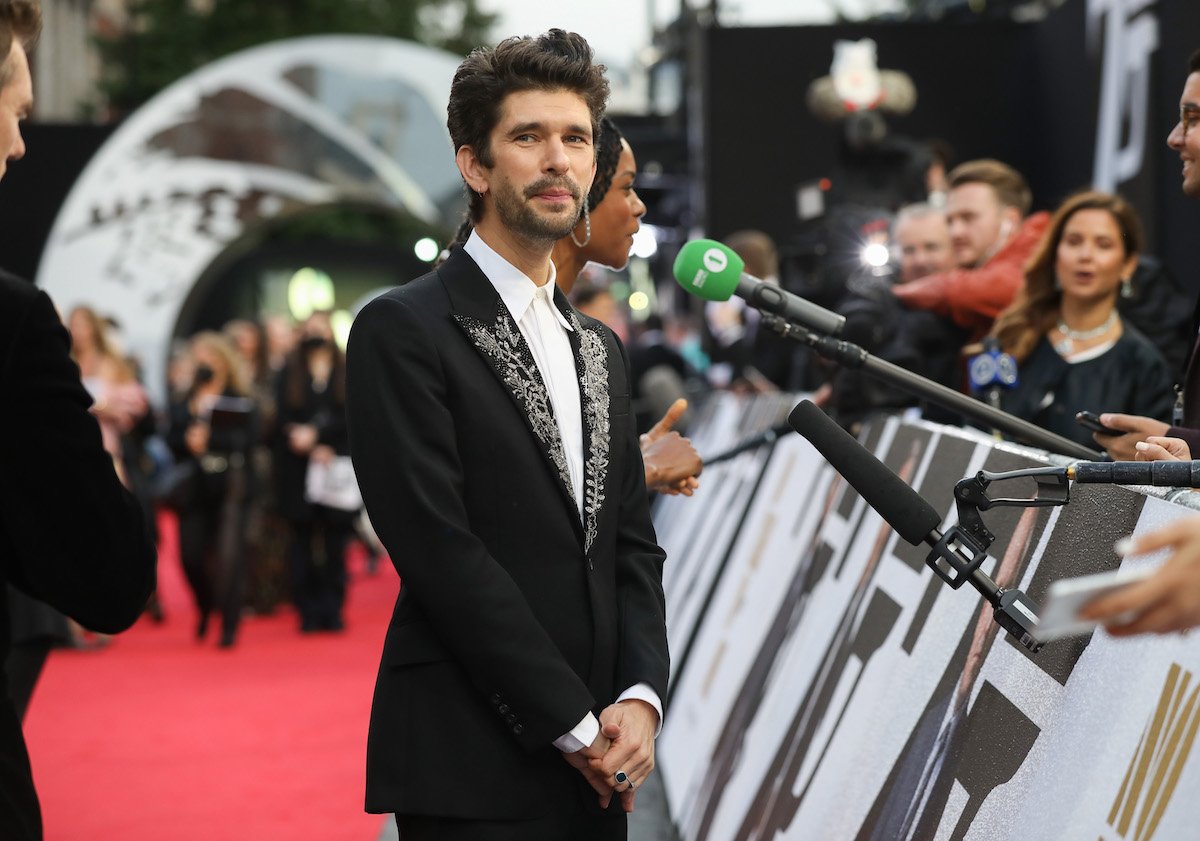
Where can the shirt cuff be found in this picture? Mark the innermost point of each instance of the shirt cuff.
(644, 692)
(581, 735)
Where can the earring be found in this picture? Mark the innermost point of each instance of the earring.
(587, 229)
(1057, 284)
(1127, 287)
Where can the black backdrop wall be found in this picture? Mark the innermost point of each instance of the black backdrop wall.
(35, 187)
(1028, 94)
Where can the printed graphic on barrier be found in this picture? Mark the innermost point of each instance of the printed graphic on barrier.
(833, 687)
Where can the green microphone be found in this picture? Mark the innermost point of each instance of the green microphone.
(713, 271)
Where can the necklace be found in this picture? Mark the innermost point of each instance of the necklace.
(1067, 346)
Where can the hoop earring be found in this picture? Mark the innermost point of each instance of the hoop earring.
(587, 229)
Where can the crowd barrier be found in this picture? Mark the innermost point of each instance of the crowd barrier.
(827, 685)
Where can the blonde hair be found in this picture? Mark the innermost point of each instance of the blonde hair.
(219, 345)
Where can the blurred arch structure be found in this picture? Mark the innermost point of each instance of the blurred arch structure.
(251, 139)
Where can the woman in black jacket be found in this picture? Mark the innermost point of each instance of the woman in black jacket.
(1074, 351)
(311, 411)
(212, 429)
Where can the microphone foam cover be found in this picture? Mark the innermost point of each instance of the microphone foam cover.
(903, 508)
(708, 269)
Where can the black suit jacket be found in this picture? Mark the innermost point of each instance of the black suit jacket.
(515, 618)
(70, 534)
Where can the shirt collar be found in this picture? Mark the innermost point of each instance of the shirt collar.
(514, 287)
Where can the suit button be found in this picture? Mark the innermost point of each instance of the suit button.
(503, 709)
(518, 729)
(510, 718)
(496, 699)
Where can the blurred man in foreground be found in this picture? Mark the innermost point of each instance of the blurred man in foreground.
(1184, 139)
(70, 534)
(1170, 599)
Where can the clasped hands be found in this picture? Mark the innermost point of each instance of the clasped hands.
(625, 743)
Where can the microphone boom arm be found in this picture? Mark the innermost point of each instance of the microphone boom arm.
(850, 355)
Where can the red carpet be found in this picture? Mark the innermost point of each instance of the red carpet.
(158, 736)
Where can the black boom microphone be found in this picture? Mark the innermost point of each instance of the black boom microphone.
(1162, 474)
(915, 520)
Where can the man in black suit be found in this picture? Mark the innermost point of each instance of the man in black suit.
(70, 534)
(493, 442)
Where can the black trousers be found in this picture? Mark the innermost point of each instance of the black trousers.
(318, 567)
(212, 549)
(567, 824)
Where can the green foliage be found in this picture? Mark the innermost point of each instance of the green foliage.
(167, 39)
(351, 223)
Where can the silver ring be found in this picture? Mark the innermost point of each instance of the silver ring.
(622, 777)
(632, 784)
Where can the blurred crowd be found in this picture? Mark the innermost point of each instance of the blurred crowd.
(1092, 322)
(249, 452)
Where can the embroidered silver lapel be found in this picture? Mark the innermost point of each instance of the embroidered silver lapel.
(592, 367)
(504, 346)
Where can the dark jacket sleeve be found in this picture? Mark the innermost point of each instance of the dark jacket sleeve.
(402, 440)
(1153, 396)
(72, 536)
(1191, 436)
(643, 657)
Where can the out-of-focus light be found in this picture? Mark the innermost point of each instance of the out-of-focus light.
(426, 250)
(875, 255)
(645, 242)
(309, 290)
(341, 320)
(639, 301)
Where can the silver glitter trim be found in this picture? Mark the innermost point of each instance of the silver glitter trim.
(503, 345)
(592, 367)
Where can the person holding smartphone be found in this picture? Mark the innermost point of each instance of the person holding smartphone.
(215, 442)
(1169, 600)
(1074, 350)
(1135, 428)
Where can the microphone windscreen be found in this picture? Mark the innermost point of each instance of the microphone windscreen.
(708, 269)
(903, 508)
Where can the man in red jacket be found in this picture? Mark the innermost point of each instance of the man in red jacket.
(991, 240)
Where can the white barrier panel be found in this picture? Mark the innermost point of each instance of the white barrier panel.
(832, 687)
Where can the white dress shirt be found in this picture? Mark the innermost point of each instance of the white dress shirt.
(545, 330)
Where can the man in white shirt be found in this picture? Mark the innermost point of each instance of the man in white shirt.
(526, 660)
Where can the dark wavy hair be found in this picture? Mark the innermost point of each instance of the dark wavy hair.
(19, 19)
(553, 61)
(608, 154)
(1035, 309)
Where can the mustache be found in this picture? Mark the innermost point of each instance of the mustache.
(549, 183)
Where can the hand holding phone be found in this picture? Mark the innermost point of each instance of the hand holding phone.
(1060, 615)
(1090, 420)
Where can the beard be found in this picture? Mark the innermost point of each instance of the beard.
(519, 216)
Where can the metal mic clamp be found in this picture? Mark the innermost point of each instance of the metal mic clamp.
(948, 560)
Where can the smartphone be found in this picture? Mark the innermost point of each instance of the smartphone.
(1060, 614)
(1090, 420)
